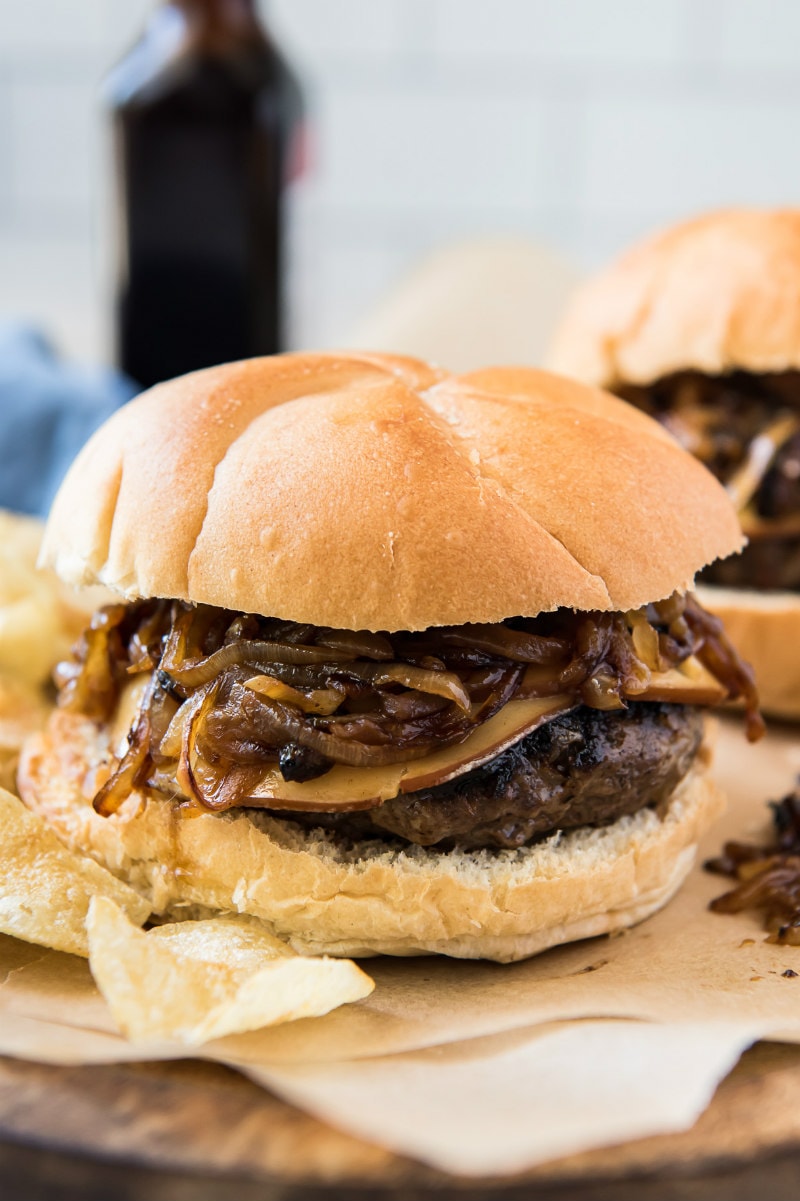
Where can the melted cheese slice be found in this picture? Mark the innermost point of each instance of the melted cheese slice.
(688, 684)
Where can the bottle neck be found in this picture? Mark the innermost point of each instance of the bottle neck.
(220, 24)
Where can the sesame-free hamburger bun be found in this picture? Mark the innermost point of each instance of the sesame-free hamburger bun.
(403, 661)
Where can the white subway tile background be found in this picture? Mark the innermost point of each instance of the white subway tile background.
(580, 123)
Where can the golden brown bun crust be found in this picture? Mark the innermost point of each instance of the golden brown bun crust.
(494, 905)
(714, 294)
(765, 629)
(386, 495)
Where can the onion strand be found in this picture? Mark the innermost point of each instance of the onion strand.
(231, 696)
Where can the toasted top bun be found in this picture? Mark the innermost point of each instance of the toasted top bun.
(371, 492)
(715, 294)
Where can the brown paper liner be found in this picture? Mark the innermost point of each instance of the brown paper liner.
(672, 1003)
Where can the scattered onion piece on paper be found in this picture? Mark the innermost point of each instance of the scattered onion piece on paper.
(194, 981)
(46, 889)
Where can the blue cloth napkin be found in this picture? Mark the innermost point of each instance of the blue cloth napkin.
(48, 409)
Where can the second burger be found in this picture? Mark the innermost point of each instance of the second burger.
(699, 326)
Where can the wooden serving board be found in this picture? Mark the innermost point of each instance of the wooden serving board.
(174, 1131)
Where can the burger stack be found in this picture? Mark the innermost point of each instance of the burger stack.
(401, 661)
(700, 328)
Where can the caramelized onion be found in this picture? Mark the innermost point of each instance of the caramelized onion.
(738, 424)
(194, 673)
(411, 706)
(132, 768)
(359, 644)
(146, 645)
(172, 741)
(286, 726)
(645, 640)
(633, 673)
(93, 690)
(768, 876)
(185, 775)
(602, 691)
(177, 648)
(506, 643)
(163, 708)
(234, 695)
(440, 683)
(317, 700)
(759, 457)
(718, 655)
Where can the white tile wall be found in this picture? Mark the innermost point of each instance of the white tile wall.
(53, 148)
(764, 33)
(49, 280)
(331, 307)
(580, 122)
(62, 27)
(452, 149)
(6, 173)
(704, 150)
(562, 32)
(336, 29)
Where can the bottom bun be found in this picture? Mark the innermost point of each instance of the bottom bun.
(765, 629)
(323, 895)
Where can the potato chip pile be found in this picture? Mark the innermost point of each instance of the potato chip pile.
(39, 620)
(186, 982)
(40, 617)
(46, 889)
(23, 709)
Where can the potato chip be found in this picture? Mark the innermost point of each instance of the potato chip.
(45, 889)
(23, 710)
(31, 639)
(197, 980)
(40, 617)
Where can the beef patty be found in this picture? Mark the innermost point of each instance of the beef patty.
(585, 768)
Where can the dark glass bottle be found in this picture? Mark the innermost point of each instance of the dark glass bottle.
(208, 128)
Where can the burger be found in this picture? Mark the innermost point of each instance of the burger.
(700, 328)
(402, 662)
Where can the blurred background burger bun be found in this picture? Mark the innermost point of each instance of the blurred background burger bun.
(716, 294)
